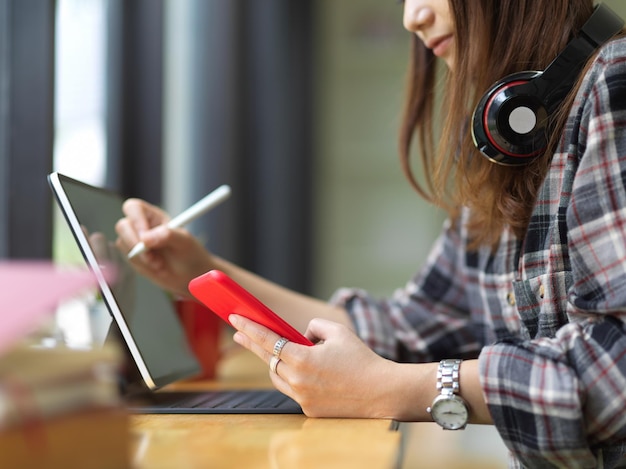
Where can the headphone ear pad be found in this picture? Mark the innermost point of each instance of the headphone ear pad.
(508, 124)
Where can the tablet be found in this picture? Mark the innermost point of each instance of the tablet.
(222, 295)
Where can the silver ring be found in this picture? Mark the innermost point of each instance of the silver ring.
(278, 346)
(274, 363)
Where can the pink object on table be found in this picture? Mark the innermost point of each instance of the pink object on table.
(30, 291)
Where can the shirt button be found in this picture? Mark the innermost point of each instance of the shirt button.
(510, 298)
(542, 291)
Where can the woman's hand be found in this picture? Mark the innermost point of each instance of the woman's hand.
(338, 377)
(172, 257)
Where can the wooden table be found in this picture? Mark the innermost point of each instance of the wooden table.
(259, 441)
(295, 441)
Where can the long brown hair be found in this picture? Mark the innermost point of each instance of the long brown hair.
(494, 38)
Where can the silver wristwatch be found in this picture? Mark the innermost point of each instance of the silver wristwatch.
(449, 409)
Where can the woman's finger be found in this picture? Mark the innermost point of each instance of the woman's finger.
(262, 337)
(262, 341)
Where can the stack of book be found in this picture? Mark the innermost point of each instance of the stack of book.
(61, 407)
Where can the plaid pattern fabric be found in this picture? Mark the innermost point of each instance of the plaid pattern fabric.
(545, 316)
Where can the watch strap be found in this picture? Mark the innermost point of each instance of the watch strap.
(448, 376)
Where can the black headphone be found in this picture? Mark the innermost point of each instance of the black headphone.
(509, 124)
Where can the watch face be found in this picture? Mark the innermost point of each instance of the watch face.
(450, 412)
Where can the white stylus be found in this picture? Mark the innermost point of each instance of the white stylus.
(205, 204)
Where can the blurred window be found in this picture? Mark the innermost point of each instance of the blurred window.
(80, 105)
(80, 89)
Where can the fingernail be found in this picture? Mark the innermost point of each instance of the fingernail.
(233, 319)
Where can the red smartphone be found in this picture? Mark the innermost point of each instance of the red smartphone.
(222, 295)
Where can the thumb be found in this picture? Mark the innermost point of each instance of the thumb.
(322, 330)
(156, 237)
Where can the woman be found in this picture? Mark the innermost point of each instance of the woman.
(527, 281)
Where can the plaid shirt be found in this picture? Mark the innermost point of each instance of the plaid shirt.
(545, 316)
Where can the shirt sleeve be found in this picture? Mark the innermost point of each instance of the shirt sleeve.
(559, 402)
(426, 320)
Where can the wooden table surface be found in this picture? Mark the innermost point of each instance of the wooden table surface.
(295, 441)
(259, 441)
